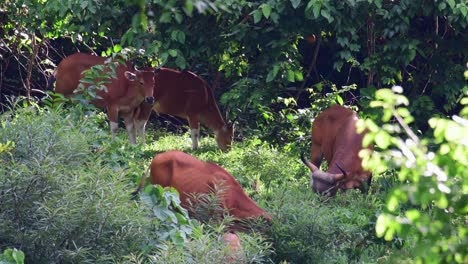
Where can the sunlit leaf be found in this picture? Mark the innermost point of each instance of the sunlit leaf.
(172, 52)
(413, 214)
(266, 10)
(257, 16)
(290, 76)
(316, 8)
(295, 3)
(383, 139)
(382, 225)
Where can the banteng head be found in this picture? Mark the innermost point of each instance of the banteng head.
(225, 136)
(323, 182)
(142, 82)
(327, 183)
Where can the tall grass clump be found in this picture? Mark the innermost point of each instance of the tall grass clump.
(58, 201)
(309, 228)
(207, 246)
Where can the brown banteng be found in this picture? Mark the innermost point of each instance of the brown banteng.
(189, 175)
(124, 94)
(335, 138)
(186, 95)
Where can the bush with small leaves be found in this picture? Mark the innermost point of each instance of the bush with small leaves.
(428, 207)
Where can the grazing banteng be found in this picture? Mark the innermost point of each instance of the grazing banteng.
(189, 175)
(124, 94)
(186, 95)
(334, 137)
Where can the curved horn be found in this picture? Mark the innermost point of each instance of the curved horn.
(340, 176)
(309, 164)
(326, 176)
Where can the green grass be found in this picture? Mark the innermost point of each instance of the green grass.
(74, 186)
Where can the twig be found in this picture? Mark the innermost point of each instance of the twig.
(30, 67)
(312, 66)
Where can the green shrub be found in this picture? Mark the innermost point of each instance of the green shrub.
(428, 207)
(207, 247)
(58, 202)
(308, 228)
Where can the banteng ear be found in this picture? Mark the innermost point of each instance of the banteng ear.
(130, 76)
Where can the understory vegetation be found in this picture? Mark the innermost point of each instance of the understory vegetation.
(65, 196)
(273, 66)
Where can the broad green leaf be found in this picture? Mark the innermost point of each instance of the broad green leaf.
(266, 10)
(299, 76)
(392, 203)
(117, 48)
(316, 9)
(188, 7)
(257, 16)
(451, 3)
(164, 57)
(442, 6)
(453, 132)
(272, 73)
(172, 52)
(181, 37)
(174, 34)
(339, 99)
(179, 18)
(18, 256)
(382, 225)
(413, 214)
(181, 62)
(383, 139)
(290, 75)
(84, 4)
(295, 3)
(464, 11)
(165, 17)
(92, 9)
(326, 15)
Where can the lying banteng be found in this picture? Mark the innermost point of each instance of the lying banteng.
(189, 175)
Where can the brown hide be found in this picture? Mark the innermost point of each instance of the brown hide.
(189, 175)
(334, 137)
(124, 95)
(186, 95)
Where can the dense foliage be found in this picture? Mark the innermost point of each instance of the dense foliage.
(65, 195)
(254, 53)
(429, 208)
(274, 65)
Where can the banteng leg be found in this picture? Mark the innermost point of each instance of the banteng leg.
(194, 124)
(113, 115)
(130, 126)
(140, 126)
(142, 115)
